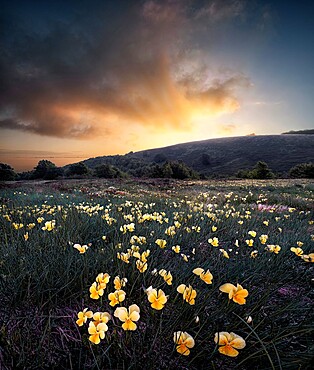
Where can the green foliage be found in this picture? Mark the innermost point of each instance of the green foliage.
(107, 171)
(77, 169)
(43, 167)
(302, 170)
(7, 173)
(260, 171)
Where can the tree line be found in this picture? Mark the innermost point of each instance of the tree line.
(47, 170)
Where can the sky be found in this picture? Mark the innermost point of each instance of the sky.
(81, 79)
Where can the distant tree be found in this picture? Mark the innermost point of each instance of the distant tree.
(107, 171)
(7, 172)
(42, 168)
(166, 170)
(54, 173)
(77, 169)
(260, 171)
(302, 170)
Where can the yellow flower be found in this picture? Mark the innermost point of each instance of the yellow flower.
(49, 225)
(157, 299)
(250, 242)
(171, 231)
(96, 291)
(161, 243)
(229, 343)
(81, 248)
(176, 248)
(308, 257)
(26, 236)
(254, 254)
(236, 293)
(128, 316)
(119, 283)
(263, 239)
(83, 316)
(101, 317)
(273, 248)
(266, 222)
(214, 242)
(141, 266)
(184, 341)
(123, 257)
(189, 293)
(116, 297)
(97, 332)
(185, 257)
(103, 279)
(40, 220)
(166, 275)
(252, 233)
(207, 277)
(299, 244)
(214, 228)
(224, 253)
(17, 226)
(297, 251)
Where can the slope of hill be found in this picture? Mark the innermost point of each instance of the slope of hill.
(223, 156)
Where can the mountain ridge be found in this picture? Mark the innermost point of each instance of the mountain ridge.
(220, 156)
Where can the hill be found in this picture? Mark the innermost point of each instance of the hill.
(220, 157)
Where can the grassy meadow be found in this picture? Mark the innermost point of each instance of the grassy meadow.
(157, 275)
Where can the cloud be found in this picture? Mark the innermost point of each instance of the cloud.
(87, 74)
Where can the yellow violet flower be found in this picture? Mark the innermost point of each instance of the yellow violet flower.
(119, 283)
(49, 225)
(116, 297)
(157, 299)
(128, 316)
(141, 266)
(214, 228)
(297, 251)
(101, 317)
(207, 277)
(26, 236)
(83, 316)
(161, 243)
(214, 242)
(176, 248)
(254, 254)
(263, 239)
(189, 293)
(97, 332)
(229, 343)
(103, 279)
(308, 257)
(17, 226)
(81, 248)
(299, 244)
(224, 253)
(123, 257)
(250, 242)
(184, 341)
(236, 293)
(273, 248)
(252, 233)
(166, 275)
(96, 291)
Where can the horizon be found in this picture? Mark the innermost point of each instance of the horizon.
(83, 80)
(60, 161)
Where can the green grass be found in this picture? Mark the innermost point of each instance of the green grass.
(44, 281)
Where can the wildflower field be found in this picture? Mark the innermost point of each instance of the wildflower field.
(157, 275)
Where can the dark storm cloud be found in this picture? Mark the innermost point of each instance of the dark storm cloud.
(82, 71)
